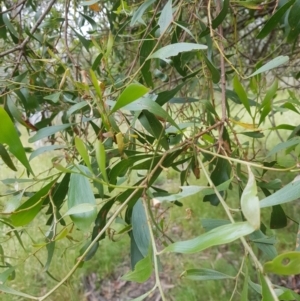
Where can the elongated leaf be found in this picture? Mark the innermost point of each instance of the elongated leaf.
(78, 106)
(140, 228)
(274, 20)
(266, 293)
(279, 60)
(6, 158)
(264, 243)
(165, 17)
(250, 202)
(142, 270)
(13, 203)
(218, 236)
(284, 264)
(80, 208)
(130, 94)
(288, 193)
(48, 131)
(53, 97)
(220, 174)
(175, 49)
(215, 73)
(154, 127)
(83, 152)
(44, 149)
(28, 211)
(239, 90)
(204, 274)
(283, 145)
(9, 136)
(244, 294)
(186, 191)
(101, 159)
(80, 192)
(11, 291)
(150, 105)
(137, 16)
(50, 252)
(266, 105)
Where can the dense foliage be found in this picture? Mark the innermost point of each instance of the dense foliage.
(123, 92)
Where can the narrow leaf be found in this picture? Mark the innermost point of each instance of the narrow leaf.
(28, 211)
(80, 208)
(44, 149)
(288, 193)
(284, 145)
(271, 65)
(79, 144)
(174, 49)
(165, 17)
(137, 16)
(274, 20)
(48, 131)
(218, 236)
(11, 291)
(238, 88)
(9, 136)
(101, 159)
(6, 158)
(266, 293)
(140, 228)
(130, 94)
(80, 192)
(204, 274)
(145, 103)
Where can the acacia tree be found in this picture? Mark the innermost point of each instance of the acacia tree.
(134, 88)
